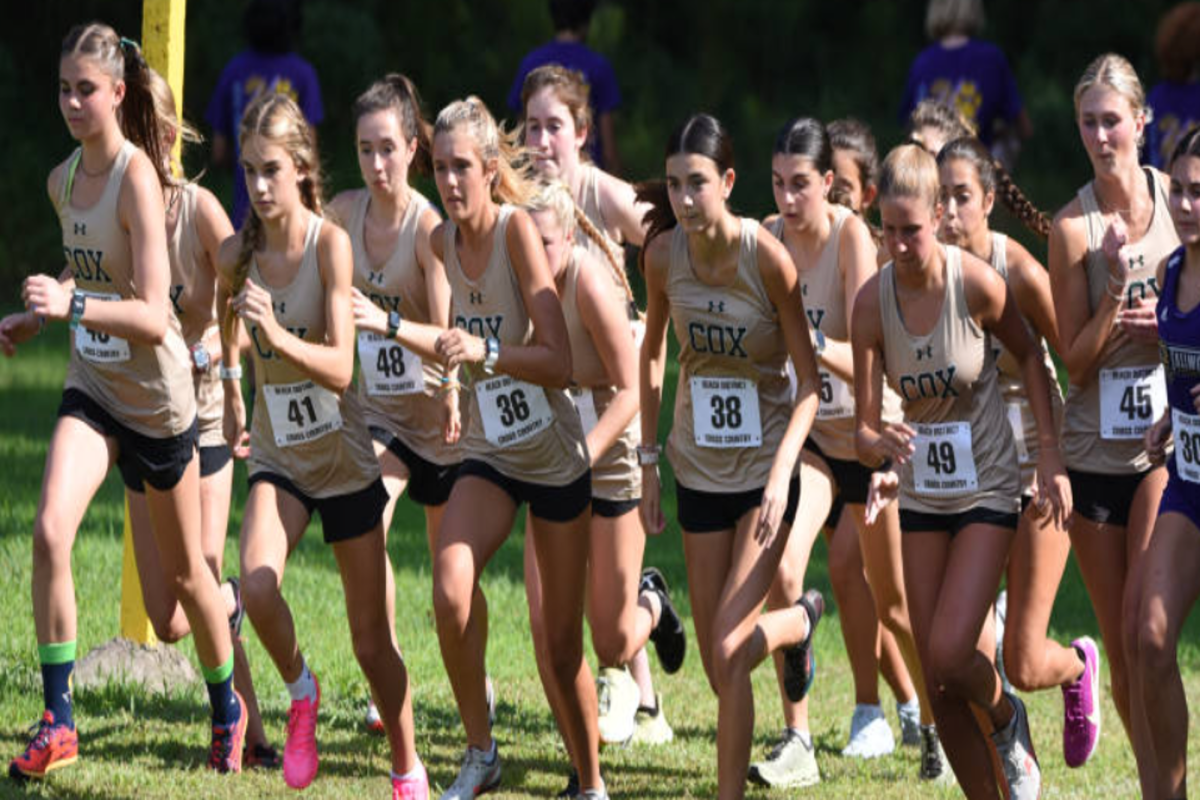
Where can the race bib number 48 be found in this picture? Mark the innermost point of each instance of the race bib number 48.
(725, 412)
(1131, 398)
(512, 410)
(97, 347)
(1187, 445)
(944, 463)
(301, 412)
(388, 368)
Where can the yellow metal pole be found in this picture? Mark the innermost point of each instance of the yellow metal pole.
(162, 45)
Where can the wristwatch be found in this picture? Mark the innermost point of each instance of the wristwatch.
(394, 320)
(230, 373)
(493, 353)
(78, 302)
(647, 455)
(201, 360)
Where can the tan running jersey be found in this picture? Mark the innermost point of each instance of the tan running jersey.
(1012, 383)
(823, 288)
(147, 388)
(302, 431)
(195, 304)
(589, 204)
(398, 390)
(732, 402)
(1103, 422)
(526, 432)
(965, 454)
(615, 475)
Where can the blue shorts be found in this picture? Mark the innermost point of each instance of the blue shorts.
(1180, 496)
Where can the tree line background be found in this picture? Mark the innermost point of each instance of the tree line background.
(752, 63)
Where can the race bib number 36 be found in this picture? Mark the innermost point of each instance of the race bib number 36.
(301, 412)
(512, 410)
(725, 412)
(1187, 445)
(944, 463)
(97, 347)
(388, 368)
(1131, 398)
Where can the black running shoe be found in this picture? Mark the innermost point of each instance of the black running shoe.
(799, 661)
(670, 642)
(239, 610)
(572, 789)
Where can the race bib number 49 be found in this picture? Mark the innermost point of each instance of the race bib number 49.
(512, 410)
(301, 412)
(1187, 445)
(725, 412)
(388, 368)
(97, 347)
(1131, 398)
(943, 462)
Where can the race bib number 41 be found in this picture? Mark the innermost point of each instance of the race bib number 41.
(1131, 398)
(512, 410)
(301, 412)
(725, 412)
(388, 368)
(943, 462)
(97, 347)
(1186, 428)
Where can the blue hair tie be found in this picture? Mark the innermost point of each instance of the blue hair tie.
(129, 43)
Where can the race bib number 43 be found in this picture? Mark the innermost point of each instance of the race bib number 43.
(943, 462)
(97, 347)
(725, 412)
(388, 368)
(1186, 428)
(1131, 398)
(301, 412)
(512, 410)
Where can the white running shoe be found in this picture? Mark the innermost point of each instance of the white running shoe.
(870, 736)
(1015, 748)
(909, 715)
(617, 696)
(480, 772)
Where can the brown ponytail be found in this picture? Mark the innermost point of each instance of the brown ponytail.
(993, 177)
(395, 92)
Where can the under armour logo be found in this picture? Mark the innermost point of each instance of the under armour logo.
(280, 307)
(80, 229)
(375, 277)
(716, 306)
(475, 297)
(1137, 261)
(925, 352)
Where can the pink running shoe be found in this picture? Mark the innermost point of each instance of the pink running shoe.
(1081, 707)
(411, 789)
(300, 750)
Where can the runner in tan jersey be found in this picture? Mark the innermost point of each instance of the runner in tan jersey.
(926, 322)
(971, 182)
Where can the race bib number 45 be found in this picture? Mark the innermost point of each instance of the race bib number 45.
(97, 347)
(512, 410)
(837, 400)
(943, 462)
(725, 412)
(1131, 398)
(388, 368)
(301, 412)
(1186, 428)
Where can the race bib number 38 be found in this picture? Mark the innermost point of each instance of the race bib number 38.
(725, 412)
(943, 462)
(1131, 398)
(301, 412)
(1187, 445)
(97, 347)
(512, 410)
(388, 368)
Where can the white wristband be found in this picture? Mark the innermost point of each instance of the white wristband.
(230, 373)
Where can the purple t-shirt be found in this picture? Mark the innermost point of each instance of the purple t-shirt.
(974, 78)
(604, 95)
(1176, 110)
(244, 77)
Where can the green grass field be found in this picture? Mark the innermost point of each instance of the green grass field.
(133, 745)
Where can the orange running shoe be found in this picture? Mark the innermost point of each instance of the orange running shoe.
(225, 754)
(52, 746)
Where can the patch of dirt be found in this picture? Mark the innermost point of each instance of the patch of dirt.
(158, 668)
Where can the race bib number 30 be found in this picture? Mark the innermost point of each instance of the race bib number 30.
(512, 410)
(301, 412)
(837, 401)
(97, 347)
(1186, 428)
(725, 412)
(1131, 398)
(388, 368)
(944, 463)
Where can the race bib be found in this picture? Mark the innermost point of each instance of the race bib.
(1017, 423)
(1186, 428)
(585, 404)
(837, 400)
(512, 410)
(943, 462)
(301, 412)
(97, 347)
(725, 412)
(1131, 398)
(388, 368)
(638, 327)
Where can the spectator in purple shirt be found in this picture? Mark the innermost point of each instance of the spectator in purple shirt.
(567, 49)
(269, 65)
(1175, 102)
(971, 75)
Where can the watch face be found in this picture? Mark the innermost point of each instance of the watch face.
(200, 358)
(393, 322)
